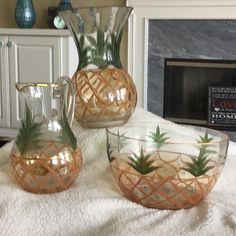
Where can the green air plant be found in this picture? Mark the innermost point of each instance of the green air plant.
(142, 163)
(66, 134)
(198, 165)
(29, 133)
(158, 137)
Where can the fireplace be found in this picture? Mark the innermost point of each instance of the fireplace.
(146, 63)
(186, 87)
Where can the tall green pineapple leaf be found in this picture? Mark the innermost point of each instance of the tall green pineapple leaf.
(116, 51)
(109, 148)
(109, 152)
(100, 41)
(121, 142)
(81, 41)
(113, 49)
(80, 47)
(100, 52)
(142, 164)
(198, 165)
(92, 41)
(29, 133)
(66, 134)
(159, 138)
(100, 61)
(85, 53)
(82, 52)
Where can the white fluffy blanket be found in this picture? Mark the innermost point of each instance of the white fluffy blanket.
(95, 206)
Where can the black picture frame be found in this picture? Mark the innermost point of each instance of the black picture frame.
(222, 106)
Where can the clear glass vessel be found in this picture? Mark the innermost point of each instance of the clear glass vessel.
(25, 14)
(106, 94)
(166, 166)
(45, 157)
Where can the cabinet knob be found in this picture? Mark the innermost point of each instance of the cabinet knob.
(9, 44)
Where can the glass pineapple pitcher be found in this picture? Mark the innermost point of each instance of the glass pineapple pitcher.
(45, 157)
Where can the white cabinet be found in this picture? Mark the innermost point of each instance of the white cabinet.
(30, 56)
(4, 85)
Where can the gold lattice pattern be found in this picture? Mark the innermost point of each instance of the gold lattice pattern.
(104, 96)
(51, 169)
(169, 187)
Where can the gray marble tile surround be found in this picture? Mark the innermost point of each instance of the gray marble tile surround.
(193, 39)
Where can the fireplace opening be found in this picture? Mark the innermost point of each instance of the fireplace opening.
(186, 88)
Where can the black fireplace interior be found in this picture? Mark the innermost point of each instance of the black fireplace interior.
(186, 83)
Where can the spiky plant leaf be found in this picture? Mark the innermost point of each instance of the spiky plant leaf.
(66, 135)
(109, 152)
(198, 166)
(158, 137)
(109, 148)
(29, 133)
(205, 139)
(115, 51)
(81, 41)
(141, 163)
(100, 40)
(121, 141)
(92, 41)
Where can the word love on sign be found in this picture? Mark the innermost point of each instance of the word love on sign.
(222, 106)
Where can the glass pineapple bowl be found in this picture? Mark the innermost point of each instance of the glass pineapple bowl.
(165, 165)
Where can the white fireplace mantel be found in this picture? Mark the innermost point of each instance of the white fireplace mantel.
(164, 9)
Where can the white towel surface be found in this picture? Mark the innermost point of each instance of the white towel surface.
(95, 206)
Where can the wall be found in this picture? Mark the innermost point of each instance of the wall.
(7, 18)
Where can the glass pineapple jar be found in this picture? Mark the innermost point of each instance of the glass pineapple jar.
(166, 166)
(45, 157)
(106, 94)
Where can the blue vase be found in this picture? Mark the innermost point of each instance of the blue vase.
(64, 5)
(25, 14)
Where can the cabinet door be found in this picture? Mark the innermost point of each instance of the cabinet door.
(32, 59)
(4, 84)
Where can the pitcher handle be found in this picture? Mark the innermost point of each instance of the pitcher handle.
(70, 96)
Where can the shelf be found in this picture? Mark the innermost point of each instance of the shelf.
(34, 32)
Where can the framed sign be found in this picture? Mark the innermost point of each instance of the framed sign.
(222, 106)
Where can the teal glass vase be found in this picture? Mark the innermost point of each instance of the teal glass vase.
(25, 14)
(65, 5)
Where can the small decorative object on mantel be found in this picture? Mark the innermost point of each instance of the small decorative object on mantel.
(54, 20)
(45, 157)
(65, 5)
(25, 14)
(106, 93)
(164, 165)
